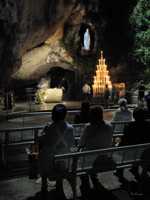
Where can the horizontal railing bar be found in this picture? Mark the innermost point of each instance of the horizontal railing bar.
(114, 149)
(35, 113)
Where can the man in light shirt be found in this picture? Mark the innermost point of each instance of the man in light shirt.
(86, 90)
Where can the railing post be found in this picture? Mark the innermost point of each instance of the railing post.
(23, 120)
(35, 137)
(1, 160)
(6, 151)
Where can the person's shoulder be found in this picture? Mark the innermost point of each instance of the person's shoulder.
(70, 126)
(118, 110)
(128, 110)
(106, 123)
(145, 109)
(48, 124)
(87, 125)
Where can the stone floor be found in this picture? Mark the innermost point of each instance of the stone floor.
(110, 189)
(20, 116)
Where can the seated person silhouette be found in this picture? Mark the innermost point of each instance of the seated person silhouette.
(56, 138)
(96, 135)
(137, 132)
(83, 116)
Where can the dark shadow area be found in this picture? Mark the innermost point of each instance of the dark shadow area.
(87, 194)
(50, 195)
(97, 193)
(137, 189)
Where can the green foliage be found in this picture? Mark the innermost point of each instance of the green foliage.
(73, 48)
(148, 86)
(77, 37)
(140, 23)
(84, 62)
(68, 46)
(38, 98)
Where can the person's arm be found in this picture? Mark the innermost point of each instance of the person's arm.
(41, 138)
(126, 135)
(73, 147)
(73, 137)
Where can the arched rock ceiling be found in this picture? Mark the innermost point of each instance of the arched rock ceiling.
(30, 34)
(37, 62)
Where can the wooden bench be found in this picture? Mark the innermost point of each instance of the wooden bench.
(81, 163)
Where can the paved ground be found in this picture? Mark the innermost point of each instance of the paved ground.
(110, 189)
(37, 118)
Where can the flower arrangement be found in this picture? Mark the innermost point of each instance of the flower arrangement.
(38, 98)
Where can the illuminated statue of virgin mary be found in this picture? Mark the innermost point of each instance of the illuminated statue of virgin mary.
(87, 40)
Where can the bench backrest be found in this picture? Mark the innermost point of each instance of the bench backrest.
(119, 127)
(95, 161)
(29, 135)
(15, 135)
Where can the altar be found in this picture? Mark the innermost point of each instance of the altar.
(51, 94)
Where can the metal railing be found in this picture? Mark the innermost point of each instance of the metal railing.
(28, 135)
(110, 159)
(23, 116)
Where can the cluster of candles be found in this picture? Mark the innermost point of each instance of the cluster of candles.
(119, 86)
(101, 79)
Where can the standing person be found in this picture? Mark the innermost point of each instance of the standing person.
(86, 90)
(141, 93)
(83, 116)
(96, 135)
(106, 95)
(56, 138)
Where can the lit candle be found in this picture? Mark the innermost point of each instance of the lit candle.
(99, 62)
(104, 62)
(101, 55)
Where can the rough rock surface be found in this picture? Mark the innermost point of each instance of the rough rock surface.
(30, 34)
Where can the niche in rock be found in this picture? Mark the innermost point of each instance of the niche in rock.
(87, 39)
(61, 78)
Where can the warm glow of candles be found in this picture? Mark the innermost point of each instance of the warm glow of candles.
(101, 78)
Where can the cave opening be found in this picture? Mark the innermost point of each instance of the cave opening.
(56, 75)
(61, 78)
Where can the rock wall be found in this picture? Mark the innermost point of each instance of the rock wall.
(30, 34)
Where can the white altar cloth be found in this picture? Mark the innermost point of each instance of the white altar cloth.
(51, 94)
